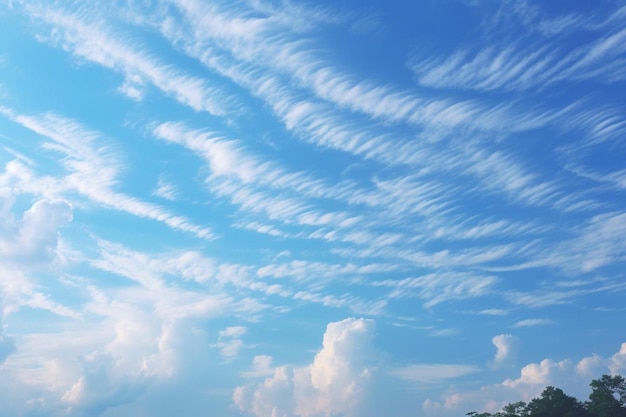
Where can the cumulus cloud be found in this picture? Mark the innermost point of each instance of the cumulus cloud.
(571, 376)
(275, 397)
(128, 345)
(34, 237)
(335, 383)
(30, 241)
(507, 347)
(103, 385)
(112, 365)
(229, 341)
(261, 366)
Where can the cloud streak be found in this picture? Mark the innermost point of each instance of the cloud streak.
(92, 170)
(88, 38)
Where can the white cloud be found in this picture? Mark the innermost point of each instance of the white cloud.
(534, 63)
(493, 312)
(30, 244)
(35, 237)
(421, 211)
(229, 341)
(92, 170)
(259, 186)
(261, 367)
(88, 39)
(335, 383)
(234, 331)
(533, 322)
(102, 385)
(274, 397)
(571, 376)
(433, 373)
(507, 347)
(600, 241)
(246, 63)
(153, 270)
(169, 301)
(165, 190)
(125, 343)
(617, 362)
(438, 288)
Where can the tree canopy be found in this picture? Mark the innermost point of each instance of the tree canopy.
(607, 399)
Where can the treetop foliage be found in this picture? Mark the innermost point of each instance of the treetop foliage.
(607, 399)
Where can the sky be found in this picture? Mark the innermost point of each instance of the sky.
(280, 208)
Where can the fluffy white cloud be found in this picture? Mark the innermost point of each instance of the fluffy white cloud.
(30, 241)
(261, 367)
(334, 384)
(127, 338)
(229, 342)
(34, 237)
(507, 347)
(571, 376)
(100, 366)
(617, 363)
(275, 397)
(103, 385)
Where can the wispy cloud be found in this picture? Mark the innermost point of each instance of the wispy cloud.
(229, 342)
(165, 190)
(533, 322)
(433, 373)
(493, 312)
(93, 170)
(438, 288)
(522, 66)
(471, 189)
(87, 37)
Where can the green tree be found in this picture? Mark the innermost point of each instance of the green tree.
(518, 409)
(608, 397)
(553, 402)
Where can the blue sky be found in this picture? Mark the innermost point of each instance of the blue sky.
(289, 208)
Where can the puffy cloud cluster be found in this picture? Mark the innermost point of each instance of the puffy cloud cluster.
(568, 374)
(573, 377)
(34, 237)
(334, 384)
(126, 339)
(102, 385)
(27, 242)
(106, 366)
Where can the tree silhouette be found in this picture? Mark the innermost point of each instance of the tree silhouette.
(607, 399)
(553, 402)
